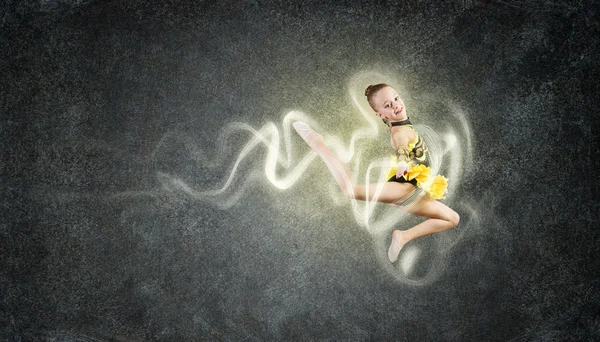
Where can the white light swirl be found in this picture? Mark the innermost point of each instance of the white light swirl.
(283, 169)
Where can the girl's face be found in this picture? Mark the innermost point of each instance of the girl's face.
(389, 105)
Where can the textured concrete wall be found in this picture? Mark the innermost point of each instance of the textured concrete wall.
(111, 115)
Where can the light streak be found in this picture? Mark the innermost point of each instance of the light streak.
(455, 146)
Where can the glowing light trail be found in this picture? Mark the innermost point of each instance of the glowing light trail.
(282, 157)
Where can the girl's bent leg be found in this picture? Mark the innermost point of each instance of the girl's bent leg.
(441, 218)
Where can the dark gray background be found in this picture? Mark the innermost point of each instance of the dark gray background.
(99, 97)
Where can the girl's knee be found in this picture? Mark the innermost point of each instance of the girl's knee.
(454, 218)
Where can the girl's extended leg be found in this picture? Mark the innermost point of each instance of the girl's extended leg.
(441, 218)
(390, 193)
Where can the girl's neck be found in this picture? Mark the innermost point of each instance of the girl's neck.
(396, 123)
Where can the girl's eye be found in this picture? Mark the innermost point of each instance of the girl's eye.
(387, 106)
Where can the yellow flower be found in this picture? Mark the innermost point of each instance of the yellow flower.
(419, 172)
(437, 188)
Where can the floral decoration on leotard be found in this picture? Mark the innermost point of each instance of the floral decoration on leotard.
(418, 168)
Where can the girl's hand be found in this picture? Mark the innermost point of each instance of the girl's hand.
(401, 169)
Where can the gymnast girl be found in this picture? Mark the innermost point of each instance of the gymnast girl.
(411, 170)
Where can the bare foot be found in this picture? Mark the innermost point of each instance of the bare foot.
(396, 245)
(312, 138)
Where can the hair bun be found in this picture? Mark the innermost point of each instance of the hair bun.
(368, 91)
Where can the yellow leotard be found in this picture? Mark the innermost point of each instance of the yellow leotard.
(417, 153)
(419, 173)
